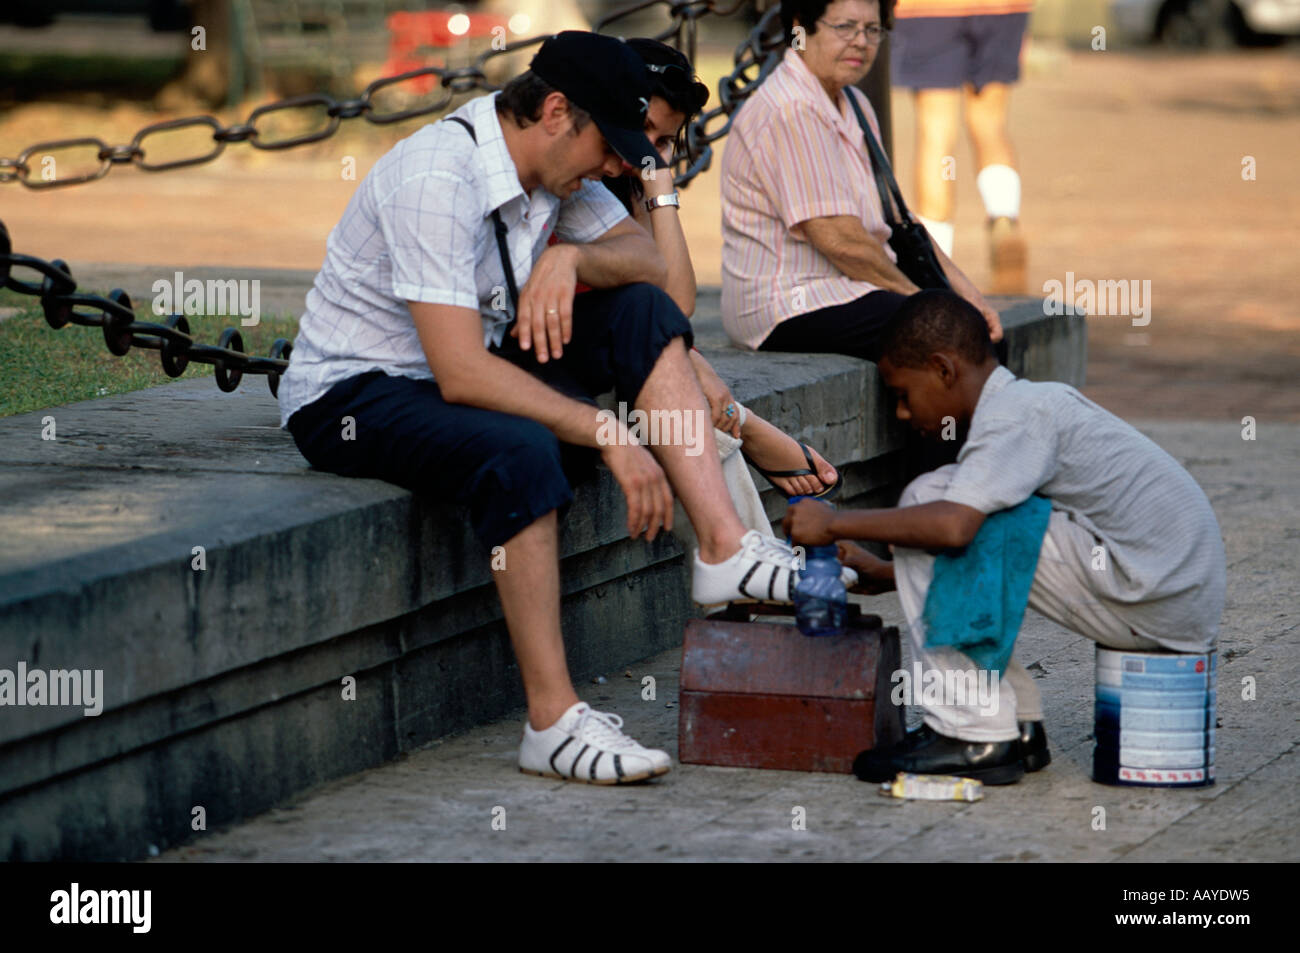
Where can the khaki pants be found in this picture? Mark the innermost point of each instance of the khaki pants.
(1060, 592)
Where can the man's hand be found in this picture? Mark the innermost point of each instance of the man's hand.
(808, 523)
(718, 394)
(645, 487)
(545, 316)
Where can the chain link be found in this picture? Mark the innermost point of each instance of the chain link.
(57, 291)
(758, 51)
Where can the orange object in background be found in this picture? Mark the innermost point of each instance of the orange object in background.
(412, 32)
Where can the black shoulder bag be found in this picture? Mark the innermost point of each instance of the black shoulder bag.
(908, 237)
(502, 248)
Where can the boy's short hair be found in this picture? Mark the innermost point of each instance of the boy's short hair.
(935, 320)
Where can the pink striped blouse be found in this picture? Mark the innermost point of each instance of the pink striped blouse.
(791, 156)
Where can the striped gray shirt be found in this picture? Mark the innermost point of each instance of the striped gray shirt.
(1164, 563)
(419, 228)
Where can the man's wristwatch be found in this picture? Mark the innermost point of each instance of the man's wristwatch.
(659, 201)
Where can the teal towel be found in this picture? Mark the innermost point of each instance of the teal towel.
(979, 594)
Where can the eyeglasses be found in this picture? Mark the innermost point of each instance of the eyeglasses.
(848, 32)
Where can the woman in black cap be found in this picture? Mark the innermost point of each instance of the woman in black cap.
(678, 96)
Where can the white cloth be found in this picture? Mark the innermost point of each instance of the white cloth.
(740, 482)
(419, 228)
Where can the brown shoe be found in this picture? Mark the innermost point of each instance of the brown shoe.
(1009, 257)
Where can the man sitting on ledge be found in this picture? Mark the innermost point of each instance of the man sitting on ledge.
(1131, 558)
(413, 365)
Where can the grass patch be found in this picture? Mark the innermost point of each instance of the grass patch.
(42, 367)
(34, 76)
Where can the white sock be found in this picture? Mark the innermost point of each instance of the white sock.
(941, 232)
(999, 187)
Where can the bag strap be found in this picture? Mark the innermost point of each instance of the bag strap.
(881, 171)
(502, 248)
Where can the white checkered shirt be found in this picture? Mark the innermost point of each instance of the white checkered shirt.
(419, 228)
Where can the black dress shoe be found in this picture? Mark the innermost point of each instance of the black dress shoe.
(925, 751)
(1033, 746)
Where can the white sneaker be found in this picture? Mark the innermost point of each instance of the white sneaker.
(589, 746)
(761, 571)
(760, 561)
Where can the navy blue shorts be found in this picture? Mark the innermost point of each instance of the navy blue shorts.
(509, 471)
(948, 52)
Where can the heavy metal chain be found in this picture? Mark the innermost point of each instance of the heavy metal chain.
(57, 290)
(757, 52)
(114, 314)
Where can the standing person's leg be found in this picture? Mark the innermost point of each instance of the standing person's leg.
(937, 125)
(996, 42)
(986, 121)
(928, 56)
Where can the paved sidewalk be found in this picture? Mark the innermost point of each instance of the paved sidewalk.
(440, 803)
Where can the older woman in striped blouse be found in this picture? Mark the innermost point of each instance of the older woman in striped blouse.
(806, 264)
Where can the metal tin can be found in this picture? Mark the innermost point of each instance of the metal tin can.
(1155, 717)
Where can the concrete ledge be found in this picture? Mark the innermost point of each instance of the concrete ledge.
(222, 687)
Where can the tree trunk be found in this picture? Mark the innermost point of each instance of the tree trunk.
(205, 80)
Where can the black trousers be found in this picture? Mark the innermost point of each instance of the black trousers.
(851, 328)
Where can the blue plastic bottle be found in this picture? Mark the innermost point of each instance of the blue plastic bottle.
(820, 599)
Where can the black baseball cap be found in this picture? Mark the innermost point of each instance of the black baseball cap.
(605, 77)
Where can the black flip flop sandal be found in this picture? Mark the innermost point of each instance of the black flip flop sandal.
(825, 494)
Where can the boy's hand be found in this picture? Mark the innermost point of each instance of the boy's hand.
(808, 522)
(875, 575)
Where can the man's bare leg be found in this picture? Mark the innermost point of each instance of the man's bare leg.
(697, 480)
(529, 588)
